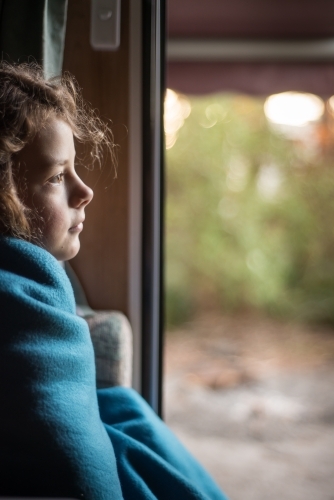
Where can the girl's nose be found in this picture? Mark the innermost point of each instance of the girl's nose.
(81, 194)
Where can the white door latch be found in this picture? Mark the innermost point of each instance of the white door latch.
(105, 24)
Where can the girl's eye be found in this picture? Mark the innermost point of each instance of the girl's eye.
(57, 179)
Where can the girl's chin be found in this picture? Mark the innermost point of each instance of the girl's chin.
(66, 252)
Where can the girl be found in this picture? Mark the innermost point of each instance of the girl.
(58, 435)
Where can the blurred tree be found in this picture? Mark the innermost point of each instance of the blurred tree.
(249, 214)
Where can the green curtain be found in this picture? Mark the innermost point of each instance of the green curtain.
(34, 30)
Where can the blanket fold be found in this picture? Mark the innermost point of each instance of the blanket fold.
(152, 463)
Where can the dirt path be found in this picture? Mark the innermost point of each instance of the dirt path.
(253, 400)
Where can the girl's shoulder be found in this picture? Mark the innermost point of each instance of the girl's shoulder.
(29, 269)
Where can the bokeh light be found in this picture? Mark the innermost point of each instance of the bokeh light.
(296, 109)
(177, 109)
(330, 103)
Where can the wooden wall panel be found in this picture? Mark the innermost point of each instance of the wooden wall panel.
(102, 264)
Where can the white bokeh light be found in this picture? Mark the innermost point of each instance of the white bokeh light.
(331, 104)
(296, 109)
(269, 181)
(177, 109)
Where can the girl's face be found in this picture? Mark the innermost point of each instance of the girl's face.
(53, 188)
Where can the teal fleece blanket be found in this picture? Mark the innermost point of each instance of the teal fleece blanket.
(58, 436)
(52, 441)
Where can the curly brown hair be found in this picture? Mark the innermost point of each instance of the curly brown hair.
(27, 101)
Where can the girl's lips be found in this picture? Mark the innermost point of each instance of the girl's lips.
(77, 229)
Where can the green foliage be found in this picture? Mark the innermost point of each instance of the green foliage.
(249, 216)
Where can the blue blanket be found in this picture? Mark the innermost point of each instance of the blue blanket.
(52, 439)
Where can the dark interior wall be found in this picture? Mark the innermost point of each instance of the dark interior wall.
(102, 264)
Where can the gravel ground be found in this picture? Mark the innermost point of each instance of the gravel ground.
(253, 400)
